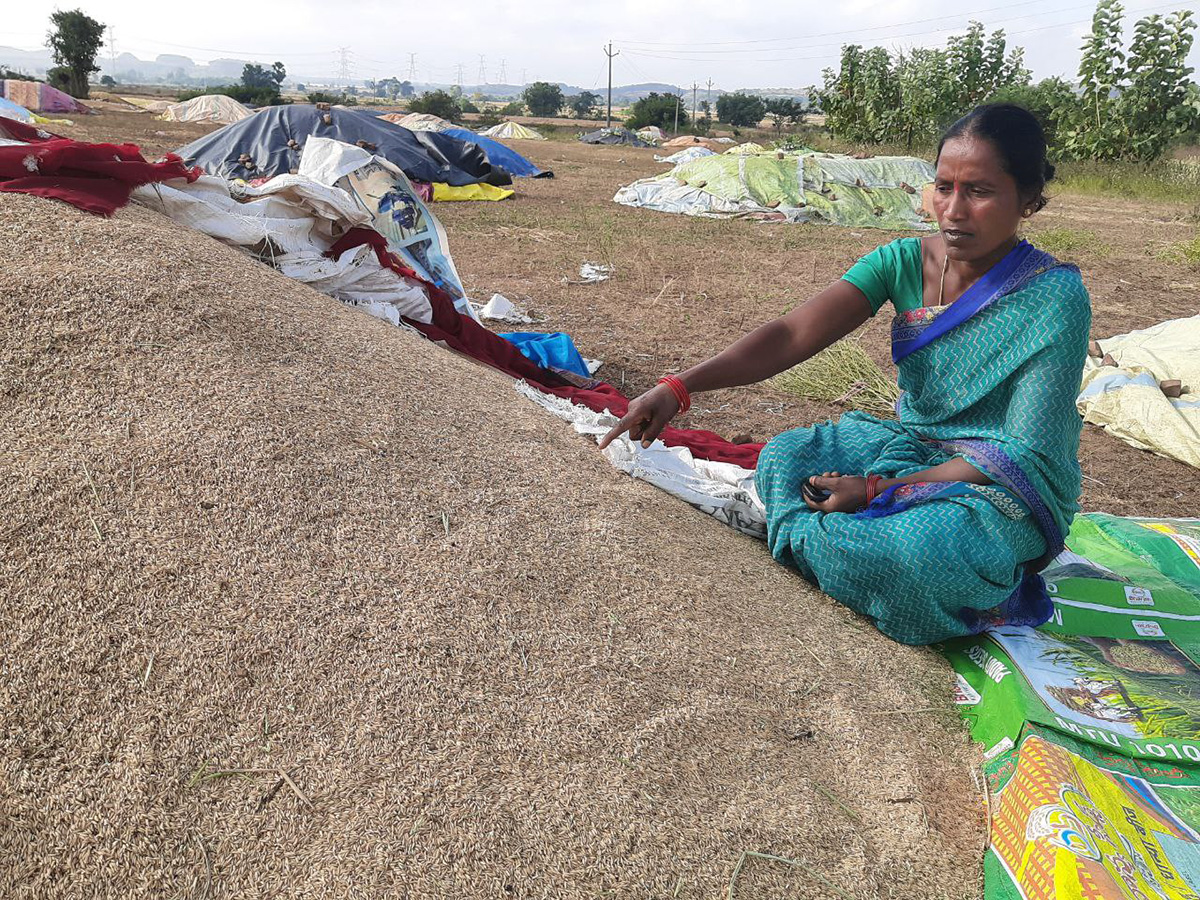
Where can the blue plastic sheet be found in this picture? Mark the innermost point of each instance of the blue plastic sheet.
(500, 155)
(553, 351)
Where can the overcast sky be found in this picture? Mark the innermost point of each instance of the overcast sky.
(777, 45)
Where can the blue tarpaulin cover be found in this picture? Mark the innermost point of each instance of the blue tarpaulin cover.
(273, 138)
(500, 155)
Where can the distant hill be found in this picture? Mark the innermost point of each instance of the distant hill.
(170, 68)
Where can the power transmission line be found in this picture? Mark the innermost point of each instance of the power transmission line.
(820, 34)
(678, 55)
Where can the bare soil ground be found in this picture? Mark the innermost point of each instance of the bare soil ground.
(684, 288)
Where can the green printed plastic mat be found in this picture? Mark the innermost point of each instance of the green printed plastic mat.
(1091, 723)
(1070, 821)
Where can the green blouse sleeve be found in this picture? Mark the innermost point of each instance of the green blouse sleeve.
(891, 272)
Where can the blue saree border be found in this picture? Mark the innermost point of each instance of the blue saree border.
(1021, 264)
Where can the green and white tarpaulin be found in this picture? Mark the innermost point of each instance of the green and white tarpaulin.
(881, 192)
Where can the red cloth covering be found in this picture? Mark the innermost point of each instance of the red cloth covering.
(94, 177)
(464, 334)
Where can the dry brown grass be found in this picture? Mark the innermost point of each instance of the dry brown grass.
(298, 605)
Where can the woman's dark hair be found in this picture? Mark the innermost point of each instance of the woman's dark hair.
(1017, 136)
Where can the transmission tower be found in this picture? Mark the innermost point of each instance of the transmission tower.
(344, 64)
(412, 67)
(503, 71)
(112, 51)
(482, 78)
(523, 80)
(458, 79)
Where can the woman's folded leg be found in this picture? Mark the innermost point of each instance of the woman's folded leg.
(913, 573)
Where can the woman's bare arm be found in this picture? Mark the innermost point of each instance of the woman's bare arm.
(768, 350)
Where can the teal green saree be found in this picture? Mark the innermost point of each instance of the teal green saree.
(992, 380)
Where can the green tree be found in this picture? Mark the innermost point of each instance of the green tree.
(466, 105)
(107, 80)
(74, 41)
(930, 95)
(512, 108)
(436, 103)
(583, 104)
(406, 89)
(260, 78)
(740, 109)
(1131, 106)
(657, 109)
(785, 111)
(543, 98)
(861, 100)
(911, 96)
(1159, 101)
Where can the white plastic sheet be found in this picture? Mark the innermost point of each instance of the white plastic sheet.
(291, 222)
(721, 490)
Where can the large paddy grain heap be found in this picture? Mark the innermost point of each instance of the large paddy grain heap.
(246, 528)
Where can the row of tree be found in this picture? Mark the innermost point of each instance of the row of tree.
(876, 96)
(739, 109)
(1128, 105)
(540, 99)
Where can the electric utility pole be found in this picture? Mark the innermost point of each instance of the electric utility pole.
(678, 103)
(694, 87)
(708, 98)
(609, 53)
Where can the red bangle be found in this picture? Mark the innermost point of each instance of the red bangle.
(872, 488)
(679, 389)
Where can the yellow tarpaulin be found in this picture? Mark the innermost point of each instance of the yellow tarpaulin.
(1127, 401)
(446, 192)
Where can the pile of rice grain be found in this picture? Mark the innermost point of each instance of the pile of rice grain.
(300, 605)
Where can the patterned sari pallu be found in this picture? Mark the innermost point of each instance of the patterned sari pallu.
(990, 378)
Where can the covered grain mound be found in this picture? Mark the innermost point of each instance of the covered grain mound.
(300, 605)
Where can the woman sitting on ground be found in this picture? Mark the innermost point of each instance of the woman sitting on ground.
(934, 526)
